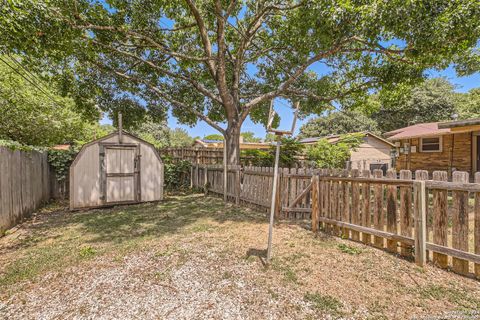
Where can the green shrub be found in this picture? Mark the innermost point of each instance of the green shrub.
(61, 160)
(176, 174)
(290, 150)
(333, 155)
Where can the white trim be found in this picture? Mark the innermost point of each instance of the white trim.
(440, 142)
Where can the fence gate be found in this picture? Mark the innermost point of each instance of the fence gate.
(120, 172)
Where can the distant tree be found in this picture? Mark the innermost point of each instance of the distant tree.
(156, 133)
(213, 137)
(161, 136)
(468, 104)
(179, 138)
(33, 117)
(94, 131)
(328, 155)
(291, 149)
(269, 137)
(338, 123)
(430, 101)
(249, 136)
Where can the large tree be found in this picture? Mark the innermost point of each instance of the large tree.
(338, 123)
(431, 101)
(223, 61)
(468, 104)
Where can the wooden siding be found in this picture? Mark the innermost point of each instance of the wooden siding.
(85, 185)
(456, 154)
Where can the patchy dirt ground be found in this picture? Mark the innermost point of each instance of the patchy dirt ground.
(192, 257)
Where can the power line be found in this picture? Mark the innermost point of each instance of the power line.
(31, 82)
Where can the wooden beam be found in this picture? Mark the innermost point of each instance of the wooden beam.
(375, 232)
(301, 195)
(420, 214)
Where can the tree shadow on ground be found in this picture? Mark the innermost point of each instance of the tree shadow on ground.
(129, 222)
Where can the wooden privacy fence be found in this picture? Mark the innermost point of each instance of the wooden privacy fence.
(194, 155)
(208, 156)
(25, 184)
(429, 220)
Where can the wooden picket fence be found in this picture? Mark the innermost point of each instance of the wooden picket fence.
(253, 185)
(410, 215)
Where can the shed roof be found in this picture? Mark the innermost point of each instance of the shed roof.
(111, 135)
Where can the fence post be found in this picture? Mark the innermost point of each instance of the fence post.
(477, 224)
(460, 222)
(392, 211)
(205, 179)
(315, 203)
(237, 185)
(420, 209)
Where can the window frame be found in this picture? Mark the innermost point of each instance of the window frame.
(440, 144)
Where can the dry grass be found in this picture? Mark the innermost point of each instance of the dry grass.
(192, 257)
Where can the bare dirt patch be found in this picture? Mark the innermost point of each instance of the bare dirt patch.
(192, 257)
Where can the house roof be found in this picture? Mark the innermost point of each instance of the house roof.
(336, 137)
(459, 123)
(416, 131)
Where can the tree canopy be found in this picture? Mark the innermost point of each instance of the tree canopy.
(468, 104)
(430, 101)
(222, 61)
(338, 123)
(34, 117)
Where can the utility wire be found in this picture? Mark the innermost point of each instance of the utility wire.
(31, 82)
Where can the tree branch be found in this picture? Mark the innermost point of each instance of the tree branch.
(204, 36)
(194, 83)
(137, 35)
(162, 95)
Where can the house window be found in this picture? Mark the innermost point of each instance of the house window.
(431, 144)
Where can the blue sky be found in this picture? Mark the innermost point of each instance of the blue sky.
(462, 84)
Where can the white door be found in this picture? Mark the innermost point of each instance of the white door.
(120, 178)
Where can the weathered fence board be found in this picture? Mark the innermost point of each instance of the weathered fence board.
(25, 184)
(413, 214)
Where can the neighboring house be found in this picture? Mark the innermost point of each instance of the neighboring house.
(374, 153)
(447, 146)
(219, 144)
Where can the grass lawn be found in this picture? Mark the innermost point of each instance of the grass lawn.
(191, 257)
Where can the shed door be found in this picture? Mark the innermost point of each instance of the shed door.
(120, 174)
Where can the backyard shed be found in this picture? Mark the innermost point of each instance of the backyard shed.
(116, 169)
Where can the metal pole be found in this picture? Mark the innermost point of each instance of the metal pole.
(274, 196)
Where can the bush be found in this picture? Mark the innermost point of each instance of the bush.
(61, 160)
(176, 174)
(333, 155)
(290, 150)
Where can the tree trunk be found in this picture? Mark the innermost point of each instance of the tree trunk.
(232, 140)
